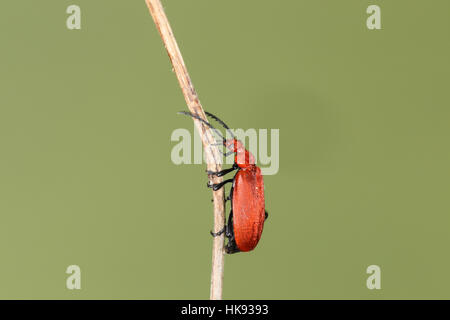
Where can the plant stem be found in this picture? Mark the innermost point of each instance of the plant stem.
(212, 153)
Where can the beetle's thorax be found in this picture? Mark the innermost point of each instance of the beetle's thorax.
(243, 158)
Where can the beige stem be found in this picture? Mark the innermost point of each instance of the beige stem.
(212, 153)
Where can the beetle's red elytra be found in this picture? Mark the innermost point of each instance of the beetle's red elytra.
(247, 215)
(248, 207)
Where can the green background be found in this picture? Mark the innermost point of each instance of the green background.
(86, 177)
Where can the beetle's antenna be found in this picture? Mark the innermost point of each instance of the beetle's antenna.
(221, 122)
(205, 122)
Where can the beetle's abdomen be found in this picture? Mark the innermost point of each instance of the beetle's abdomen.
(248, 208)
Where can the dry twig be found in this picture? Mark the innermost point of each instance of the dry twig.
(212, 154)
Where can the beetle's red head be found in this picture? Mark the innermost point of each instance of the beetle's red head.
(242, 157)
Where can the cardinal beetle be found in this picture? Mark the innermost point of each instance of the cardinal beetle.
(247, 215)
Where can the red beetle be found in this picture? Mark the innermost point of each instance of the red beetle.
(247, 215)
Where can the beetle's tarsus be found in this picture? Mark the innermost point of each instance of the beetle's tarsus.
(216, 234)
(223, 172)
(226, 154)
(217, 186)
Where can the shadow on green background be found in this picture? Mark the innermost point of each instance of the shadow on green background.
(86, 177)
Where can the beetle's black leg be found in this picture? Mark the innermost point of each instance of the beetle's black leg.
(226, 228)
(217, 186)
(229, 229)
(231, 246)
(230, 197)
(216, 234)
(223, 172)
(267, 215)
(226, 154)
